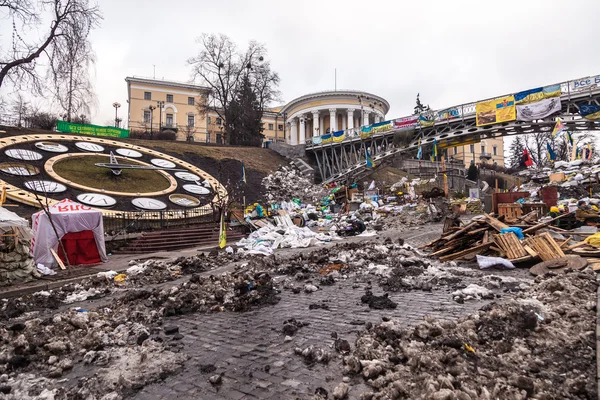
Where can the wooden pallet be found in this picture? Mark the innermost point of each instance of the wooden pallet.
(511, 245)
(510, 211)
(545, 246)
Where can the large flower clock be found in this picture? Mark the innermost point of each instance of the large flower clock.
(54, 166)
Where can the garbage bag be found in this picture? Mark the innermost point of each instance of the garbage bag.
(487, 262)
(593, 240)
(515, 230)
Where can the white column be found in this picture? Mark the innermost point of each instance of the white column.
(316, 123)
(302, 129)
(294, 132)
(365, 118)
(343, 122)
(322, 125)
(332, 120)
(377, 118)
(350, 118)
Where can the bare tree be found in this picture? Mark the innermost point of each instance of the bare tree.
(18, 61)
(221, 67)
(20, 109)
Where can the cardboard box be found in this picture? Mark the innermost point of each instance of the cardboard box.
(558, 177)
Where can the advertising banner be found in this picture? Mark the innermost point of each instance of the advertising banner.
(588, 83)
(406, 122)
(92, 130)
(539, 109)
(496, 111)
(448, 114)
(385, 126)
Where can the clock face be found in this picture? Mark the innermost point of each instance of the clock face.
(96, 199)
(45, 186)
(159, 162)
(146, 203)
(129, 153)
(22, 154)
(91, 147)
(196, 189)
(52, 147)
(184, 200)
(19, 169)
(186, 176)
(64, 166)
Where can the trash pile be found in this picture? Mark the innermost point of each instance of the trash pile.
(492, 243)
(288, 183)
(540, 344)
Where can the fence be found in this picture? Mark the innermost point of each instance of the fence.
(141, 221)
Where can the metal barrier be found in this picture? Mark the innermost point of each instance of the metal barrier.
(140, 221)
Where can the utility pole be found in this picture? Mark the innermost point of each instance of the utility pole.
(116, 105)
(151, 108)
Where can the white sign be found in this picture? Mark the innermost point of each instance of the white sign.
(589, 83)
(159, 162)
(19, 169)
(96, 199)
(186, 176)
(45, 186)
(129, 153)
(196, 189)
(22, 154)
(146, 203)
(91, 147)
(52, 147)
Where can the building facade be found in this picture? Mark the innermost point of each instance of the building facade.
(319, 113)
(487, 151)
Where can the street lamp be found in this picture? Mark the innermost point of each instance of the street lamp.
(151, 108)
(116, 105)
(161, 104)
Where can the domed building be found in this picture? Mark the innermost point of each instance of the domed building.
(316, 114)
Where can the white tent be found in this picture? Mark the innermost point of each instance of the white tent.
(68, 216)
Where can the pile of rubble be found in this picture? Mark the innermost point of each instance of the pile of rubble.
(16, 261)
(540, 344)
(288, 183)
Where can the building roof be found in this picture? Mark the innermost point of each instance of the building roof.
(336, 93)
(162, 82)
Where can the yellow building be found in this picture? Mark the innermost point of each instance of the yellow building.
(487, 151)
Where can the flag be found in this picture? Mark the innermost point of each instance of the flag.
(589, 111)
(434, 151)
(569, 137)
(551, 153)
(222, 232)
(420, 151)
(370, 162)
(559, 127)
(577, 153)
(589, 151)
(243, 173)
(526, 159)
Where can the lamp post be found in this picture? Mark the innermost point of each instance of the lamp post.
(161, 104)
(151, 108)
(116, 105)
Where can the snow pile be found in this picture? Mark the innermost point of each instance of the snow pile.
(288, 183)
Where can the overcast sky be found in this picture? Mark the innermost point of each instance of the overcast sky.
(450, 52)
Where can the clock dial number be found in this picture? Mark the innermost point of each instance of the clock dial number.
(186, 176)
(22, 154)
(146, 203)
(159, 162)
(45, 186)
(91, 147)
(196, 189)
(96, 200)
(129, 153)
(52, 147)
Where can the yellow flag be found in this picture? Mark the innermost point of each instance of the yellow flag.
(222, 233)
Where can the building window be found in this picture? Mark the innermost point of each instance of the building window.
(169, 120)
(146, 116)
(218, 121)
(208, 120)
(455, 150)
(207, 137)
(169, 98)
(190, 120)
(280, 127)
(482, 148)
(271, 127)
(495, 150)
(147, 96)
(191, 101)
(472, 148)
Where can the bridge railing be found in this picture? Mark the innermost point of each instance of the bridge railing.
(447, 114)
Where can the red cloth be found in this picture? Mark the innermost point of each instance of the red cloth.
(80, 248)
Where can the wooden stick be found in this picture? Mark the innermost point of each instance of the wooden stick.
(538, 226)
(463, 253)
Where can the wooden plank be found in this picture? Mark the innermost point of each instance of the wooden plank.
(538, 226)
(495, 223)
(58, 260)
(460, 231)
(530, 251)
(463, 253)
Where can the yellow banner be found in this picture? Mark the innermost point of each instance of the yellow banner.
(496, 111)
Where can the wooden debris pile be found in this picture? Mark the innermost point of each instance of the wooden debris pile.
(482, 236)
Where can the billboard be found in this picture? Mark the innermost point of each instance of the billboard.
(496, 111)
(92, 130)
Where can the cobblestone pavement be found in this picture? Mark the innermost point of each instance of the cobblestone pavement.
(249, 350)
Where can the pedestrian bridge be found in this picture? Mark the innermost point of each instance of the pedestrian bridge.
(342, 154)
